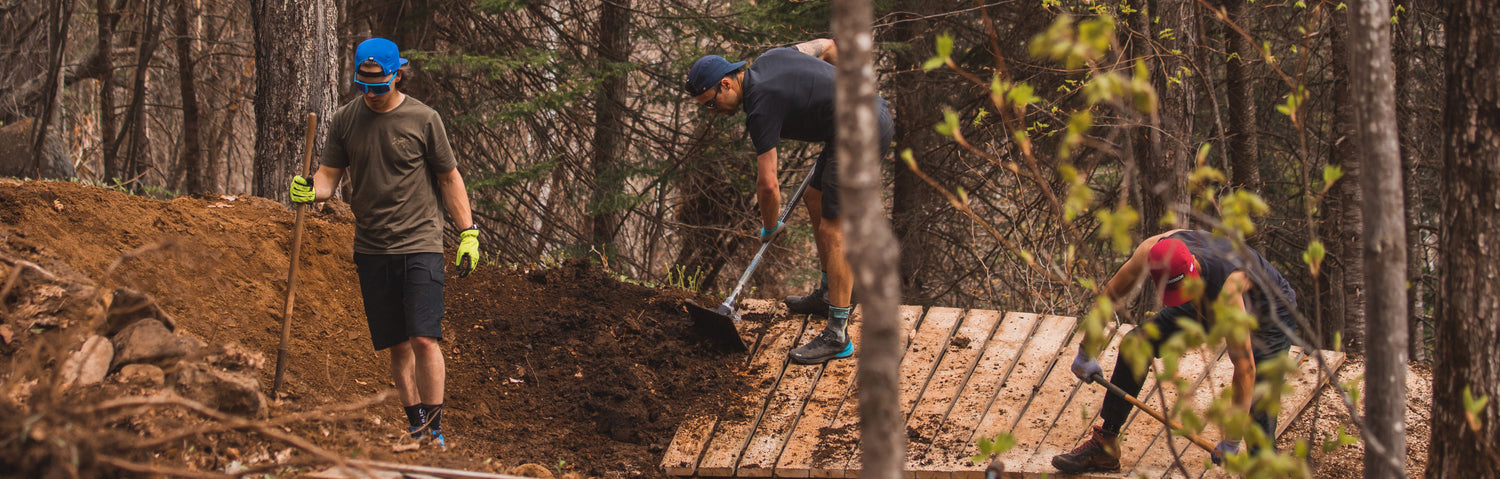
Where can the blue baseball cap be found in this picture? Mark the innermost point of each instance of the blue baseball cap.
(381, 51)
(707, 72)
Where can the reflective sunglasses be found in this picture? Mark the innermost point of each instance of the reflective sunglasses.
(375, 88)
(712, 103)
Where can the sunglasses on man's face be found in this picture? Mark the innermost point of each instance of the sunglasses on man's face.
(380, 88)
(713, 102)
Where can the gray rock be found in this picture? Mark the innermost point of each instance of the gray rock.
(146, 374)
(89, 364)
(148, 341)
(233, 393)
(128, 306)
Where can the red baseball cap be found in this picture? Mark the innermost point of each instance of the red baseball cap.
(1171, 263)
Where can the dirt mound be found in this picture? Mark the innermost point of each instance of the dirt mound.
(566, 366)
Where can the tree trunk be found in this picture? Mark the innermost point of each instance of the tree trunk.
(1408, 121)
(57, 42)
(1239, 85)
(136, 157)
(1165, 157)
(295, 75)
(870, 245)
(195, 178)
(104, 59)
(914, 101)
(1344, 223)
(610, 147)
(1469, 319)
(1372, 79)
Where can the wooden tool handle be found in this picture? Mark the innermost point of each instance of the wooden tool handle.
(307, 156)
(291, 275)
(1197, 440)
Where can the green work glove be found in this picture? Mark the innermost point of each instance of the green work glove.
(302, 190)
(468, 252)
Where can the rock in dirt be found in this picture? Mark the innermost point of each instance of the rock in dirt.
(129, 306)
(531, 470)
(146, 374)
(230, 392)
(234, 357)
(89, 364)
(149, 341)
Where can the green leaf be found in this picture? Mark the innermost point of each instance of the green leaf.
(1203, 153)
(908, 159)
(933, 64)
(1314, 256)
(1115, 226)
(1022, 94)
(1472, 409)
(949, 126)
(945, 45)
(1331, 174)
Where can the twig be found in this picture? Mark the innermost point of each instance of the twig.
(280, 421)
(163, 244)
(158, 470)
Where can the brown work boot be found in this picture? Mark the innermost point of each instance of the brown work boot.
(1098, 454)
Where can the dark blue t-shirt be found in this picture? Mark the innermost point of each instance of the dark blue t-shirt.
(1219, 259)
(788, 94)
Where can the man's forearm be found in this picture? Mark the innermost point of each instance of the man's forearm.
(456, 201)
(770, 204)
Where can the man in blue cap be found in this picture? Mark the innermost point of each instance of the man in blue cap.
(403, 175)
(788, 93)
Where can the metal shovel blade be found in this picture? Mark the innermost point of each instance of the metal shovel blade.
(718, 325)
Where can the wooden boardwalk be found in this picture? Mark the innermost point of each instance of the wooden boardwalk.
(965, 374)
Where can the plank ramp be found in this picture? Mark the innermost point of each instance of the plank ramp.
(965, 375)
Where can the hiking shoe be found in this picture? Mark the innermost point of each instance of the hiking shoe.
(821, 349)
(435, 437)
(1095, 455)
(815, 302)
(415, 432)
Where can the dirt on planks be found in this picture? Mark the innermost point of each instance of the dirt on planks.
(565, 366)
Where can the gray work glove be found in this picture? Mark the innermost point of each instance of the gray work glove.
(1085, 367)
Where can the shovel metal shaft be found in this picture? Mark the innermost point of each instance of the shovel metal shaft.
(786, 210)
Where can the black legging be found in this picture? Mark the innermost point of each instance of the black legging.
(1116, 410)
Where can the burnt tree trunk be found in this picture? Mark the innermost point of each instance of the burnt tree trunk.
(1372, 79)
(869, 243)
(57, 42)
(1239, 86)
(295, 75)
(1344, 310)
(610, 146)
(104, 59)
(1164, 154)
(1468, 326)
(195, 177)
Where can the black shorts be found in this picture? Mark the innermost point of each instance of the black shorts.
(403, 296)
(825, 176)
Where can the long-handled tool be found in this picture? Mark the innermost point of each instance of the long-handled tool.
(1196, 440)
(291, 276)
(720, 325)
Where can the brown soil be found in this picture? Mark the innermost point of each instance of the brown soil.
(1325, 415)
(566, 367)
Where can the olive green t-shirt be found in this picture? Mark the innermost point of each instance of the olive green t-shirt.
(391, 159)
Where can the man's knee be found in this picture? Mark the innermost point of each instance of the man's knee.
(423, 344)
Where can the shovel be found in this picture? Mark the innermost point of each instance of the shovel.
(1194, 438)
(721, 325)
(291, 276)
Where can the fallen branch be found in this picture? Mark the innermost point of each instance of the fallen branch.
(158, 470)
(277, 422)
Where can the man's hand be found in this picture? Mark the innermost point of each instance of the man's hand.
(302, 190)
(766, 235)
(468, 252)
(1086, 367)
(1225, 448)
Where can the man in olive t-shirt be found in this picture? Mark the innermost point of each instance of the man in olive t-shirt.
(401, 171)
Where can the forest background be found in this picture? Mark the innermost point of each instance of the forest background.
(576, 140)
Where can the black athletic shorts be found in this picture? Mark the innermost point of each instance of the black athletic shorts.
(403, 296)
(825, 176)
(1266, 342)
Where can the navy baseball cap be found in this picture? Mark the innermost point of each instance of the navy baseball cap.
(381, 51)
(707, 72)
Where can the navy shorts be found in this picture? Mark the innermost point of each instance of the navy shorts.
(403, 296)
(825, 176)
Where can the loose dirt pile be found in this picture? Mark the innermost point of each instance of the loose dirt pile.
(565, 367)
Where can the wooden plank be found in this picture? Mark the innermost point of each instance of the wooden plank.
(1158, 461)
(997, 362)
(837, 442)
(926, 349)
(952, 374)
(1006, 408)
(833, 385)
(682, 454)
(781, 413)
(1306, 383)
(1142, 431)
(734, 429)
(1072, 417)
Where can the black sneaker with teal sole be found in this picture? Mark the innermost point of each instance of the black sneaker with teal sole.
(822, 348)
(815, 302)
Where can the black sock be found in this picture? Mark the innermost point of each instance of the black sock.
(415, 416)
(434, 413)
